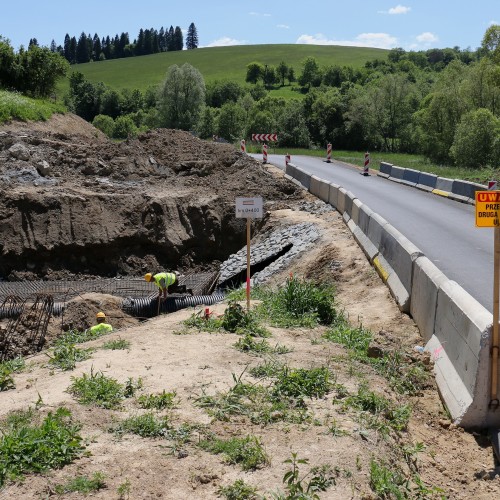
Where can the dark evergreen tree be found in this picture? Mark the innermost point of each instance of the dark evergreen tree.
(162, 44)
(192, 37)
(170, 39)
(67, 48)
(33, 41)
(116, 47)
(96, 48)
(72, 50)
(139, 46)
(179, 39)
(106, 48)
(53, 46)
(82, 50)
(148, 43)
(124, 41)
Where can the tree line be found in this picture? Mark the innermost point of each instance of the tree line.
(444, 104)
(149, 41)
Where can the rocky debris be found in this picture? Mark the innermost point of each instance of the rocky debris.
(294, 239)
(19, 152)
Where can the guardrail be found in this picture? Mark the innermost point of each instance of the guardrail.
(455, 327)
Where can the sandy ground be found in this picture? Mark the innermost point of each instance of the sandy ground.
(168, 357)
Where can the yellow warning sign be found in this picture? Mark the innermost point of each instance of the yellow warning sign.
(487, 208)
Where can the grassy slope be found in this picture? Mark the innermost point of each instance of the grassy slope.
(217, 63)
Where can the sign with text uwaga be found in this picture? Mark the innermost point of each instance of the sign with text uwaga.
(250, 208)
(487, 208)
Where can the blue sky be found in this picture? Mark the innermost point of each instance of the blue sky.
(413, 25)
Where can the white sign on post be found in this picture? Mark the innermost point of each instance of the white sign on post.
(249, 208)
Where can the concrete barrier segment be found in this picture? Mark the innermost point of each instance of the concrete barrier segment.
(346, 217)
(385, 169)
(349, 199)
(460, 347)
(324, 191)
(341, 200)
(356, 205)
(410, 177)
(400, 253)
(303, 177)
(426, 179)
(426, 280)
(364, 217)
(369, 249)
(375, 226)
(466, 189)
(314, 185)
(444, 184)
(333, 195)
(391, 279)
(397, 173)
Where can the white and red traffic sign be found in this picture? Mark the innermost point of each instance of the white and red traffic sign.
(265, 137)
(250, 208)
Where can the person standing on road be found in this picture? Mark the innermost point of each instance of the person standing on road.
(166, 282)
(102, 327)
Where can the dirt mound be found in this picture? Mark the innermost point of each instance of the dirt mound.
(76, 204)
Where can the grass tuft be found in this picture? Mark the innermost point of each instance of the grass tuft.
(82, 484)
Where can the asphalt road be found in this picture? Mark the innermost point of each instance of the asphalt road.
(443, 229)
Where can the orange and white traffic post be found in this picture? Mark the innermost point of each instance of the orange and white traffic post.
(243, 146)
(264, 153)
(287, 159)
(366, 168)
(328, 153)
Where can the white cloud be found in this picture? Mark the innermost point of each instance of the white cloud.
(225, 41)
(427, 38)
(376, 40)
(399, 9)
(283, 26)
(258, 14)
(491, 23)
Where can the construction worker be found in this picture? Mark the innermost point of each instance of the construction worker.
(102, 327)
(165, 282)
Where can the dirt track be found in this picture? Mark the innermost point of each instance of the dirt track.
(187, 218)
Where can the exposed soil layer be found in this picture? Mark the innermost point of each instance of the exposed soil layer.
(73, 203)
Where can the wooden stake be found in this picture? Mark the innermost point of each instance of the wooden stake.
(248, 264)
(496, 302)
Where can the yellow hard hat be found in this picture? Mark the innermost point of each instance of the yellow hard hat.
(100, 315)
(148, 277)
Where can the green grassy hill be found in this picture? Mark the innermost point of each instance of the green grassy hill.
(217, 63)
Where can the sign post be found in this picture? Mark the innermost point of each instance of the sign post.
(249, 208)
(488, 215)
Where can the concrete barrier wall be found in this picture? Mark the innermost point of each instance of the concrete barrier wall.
(460, 347)
(324, 191)
(314, 185)
(304, 178)
(455, 327)
(411, 176)
(466, 188)
(333, 195)
(426, 182)
(443, 184)
(397, 173)
(384, 169)
(341, 200)
(427, 279)
(349, 198)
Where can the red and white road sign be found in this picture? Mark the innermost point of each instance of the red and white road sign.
(265, 137)
(328, 153)
(492, 185)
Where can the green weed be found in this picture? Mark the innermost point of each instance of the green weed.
(82, 484)
(299, 383)
(298, 303)
(157, 401)
(65, 356)
(78, 337)
(246, 452)
(116, 344)
(124, 489)
(146, 425)
(388, 482)
(270, 368)
(97, 389)
(7, 368)
(239, 490)
(305, 487)
(26, 447)
(357, 339)
(335, 430)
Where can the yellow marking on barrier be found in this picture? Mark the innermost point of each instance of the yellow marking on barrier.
(380, 269)
(440, 193)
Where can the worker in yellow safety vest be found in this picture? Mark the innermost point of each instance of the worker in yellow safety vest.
(166, 282)
(101, 327)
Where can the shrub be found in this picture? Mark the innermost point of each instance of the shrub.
(124, 127)
(105, 124)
